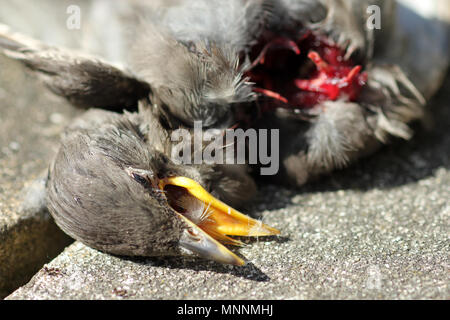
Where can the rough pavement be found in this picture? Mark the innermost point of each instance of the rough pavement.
(378, 230)
(30, 125)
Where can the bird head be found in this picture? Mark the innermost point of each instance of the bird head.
(112, 190)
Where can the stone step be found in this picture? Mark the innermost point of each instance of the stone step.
(31, 121)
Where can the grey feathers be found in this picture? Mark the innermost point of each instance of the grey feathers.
(395, 100)
(337, 132)
(190, 54)
(84, 80)
(196, 81)
(190, 61)
(236, 23)
(99, 217)
(295, 12)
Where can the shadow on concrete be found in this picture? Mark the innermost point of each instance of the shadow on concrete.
(249, 271)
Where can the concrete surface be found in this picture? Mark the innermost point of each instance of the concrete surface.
(30, 125)
(378, 230)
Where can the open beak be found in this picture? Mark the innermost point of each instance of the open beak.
(218, 223)
(198, 241)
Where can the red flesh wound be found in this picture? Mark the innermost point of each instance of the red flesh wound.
(276, 71)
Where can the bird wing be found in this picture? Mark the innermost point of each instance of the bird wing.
(84, 80)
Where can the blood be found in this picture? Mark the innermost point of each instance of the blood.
(303, 73)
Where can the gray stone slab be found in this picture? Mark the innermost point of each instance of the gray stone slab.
(378, 230)
(31, 121)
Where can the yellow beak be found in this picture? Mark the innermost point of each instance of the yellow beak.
(222, 220)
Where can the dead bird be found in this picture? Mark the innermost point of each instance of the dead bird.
(112, 187)
(353, 88)
(312, 69)
(336, 87)
(151, 206)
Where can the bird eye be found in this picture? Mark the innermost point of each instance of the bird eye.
(143, 177)
(145, 182)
